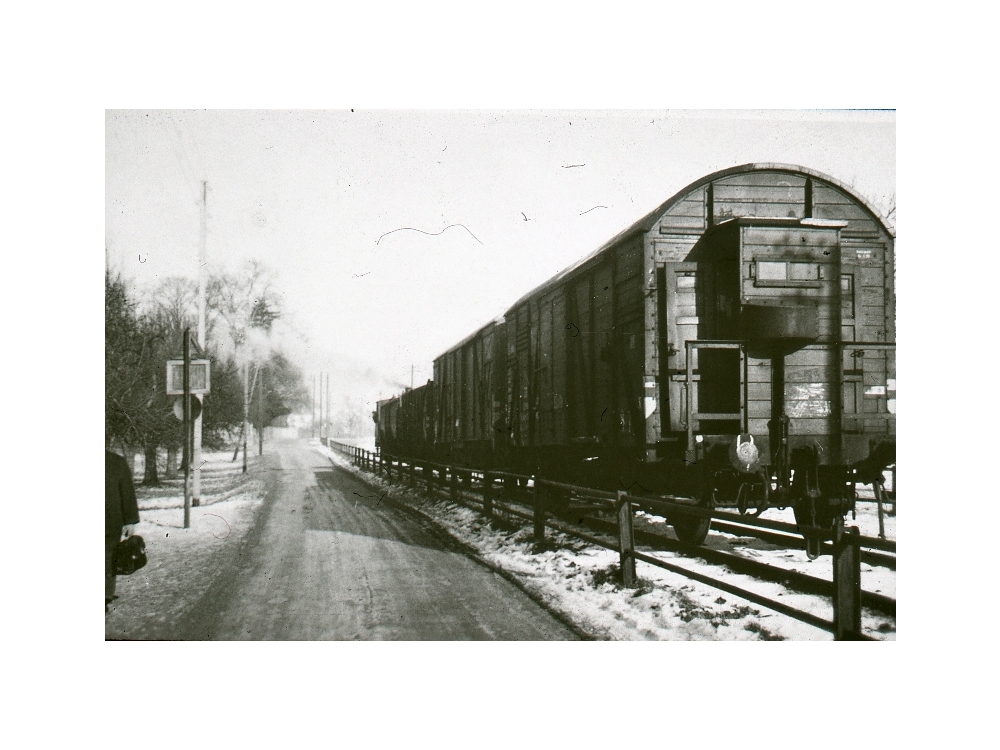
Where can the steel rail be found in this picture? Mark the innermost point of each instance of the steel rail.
(750, 596)
(806, 617)
(662, 507)
(802, 582)
(795, 542)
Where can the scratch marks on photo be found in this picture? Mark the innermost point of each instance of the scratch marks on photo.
(229, 528)
(430, 234)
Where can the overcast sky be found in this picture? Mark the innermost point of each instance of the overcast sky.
(316, 196)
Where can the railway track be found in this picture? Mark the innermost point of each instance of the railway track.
(874, 551)
(794, 580)
(801, 582)
(790, 540)
(589, 522)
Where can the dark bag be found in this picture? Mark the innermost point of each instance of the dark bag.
(130, 555)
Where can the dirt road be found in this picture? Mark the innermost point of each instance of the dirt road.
(330, 559)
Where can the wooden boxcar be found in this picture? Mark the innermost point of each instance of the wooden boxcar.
(734, 342)
(404, 425)
(471, 423)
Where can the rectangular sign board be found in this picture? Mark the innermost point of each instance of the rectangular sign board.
(200, 377)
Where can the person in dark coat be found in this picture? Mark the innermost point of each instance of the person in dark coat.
(121, 514)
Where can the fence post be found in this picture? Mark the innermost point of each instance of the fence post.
(626, 542)
(879, 488)
(539, 508)
(487, 500)
(846, 582)
(893, 498)
(429, 478)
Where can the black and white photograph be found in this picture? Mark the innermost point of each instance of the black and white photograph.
(500, 375)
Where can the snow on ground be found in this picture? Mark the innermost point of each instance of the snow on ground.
(580, 580)
(877, 579)
(182, 563)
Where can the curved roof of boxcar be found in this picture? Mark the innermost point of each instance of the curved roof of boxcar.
(494, 321)
(648, 221)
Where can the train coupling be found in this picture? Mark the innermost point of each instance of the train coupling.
(821, 498)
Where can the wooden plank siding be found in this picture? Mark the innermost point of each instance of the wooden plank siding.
(864, 316)
(560, 345)
(544, 432)
(570, 383)
(688, 213)
(598, 352)
(768, 194)
(831, 203)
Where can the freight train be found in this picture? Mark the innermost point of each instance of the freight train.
(735, 347)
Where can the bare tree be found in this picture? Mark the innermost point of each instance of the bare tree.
(247, 305)
(244, 302)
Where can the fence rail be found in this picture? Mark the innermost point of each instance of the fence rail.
(535, 492)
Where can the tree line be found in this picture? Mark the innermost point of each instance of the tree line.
(141, 332)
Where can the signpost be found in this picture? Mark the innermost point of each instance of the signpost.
(186, 368)
(188, 379)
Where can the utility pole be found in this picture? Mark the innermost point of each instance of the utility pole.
(411, 377)
(312, 419)
(246, 410)
(326, 417)
(202, 271)
(324, 406)
(187, 427)
(260, 415)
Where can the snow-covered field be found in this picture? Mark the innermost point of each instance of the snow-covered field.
(182, 563)
(579, 579)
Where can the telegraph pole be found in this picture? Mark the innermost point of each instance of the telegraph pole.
(326, 417)
(202, 272)
(321, 410)
(246, 410)
(312, 419)
(260, 414)
(187, 427)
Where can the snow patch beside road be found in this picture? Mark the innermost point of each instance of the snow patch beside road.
(580, 581)
(183, 563)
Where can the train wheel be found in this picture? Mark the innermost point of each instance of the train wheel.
(693, 529)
